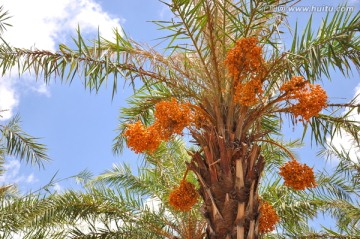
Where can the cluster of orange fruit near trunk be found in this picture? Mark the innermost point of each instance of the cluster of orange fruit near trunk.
(245, 65)
(140, 138)
(183, 197)
(244, 59)
(171, 117)
(268, 217)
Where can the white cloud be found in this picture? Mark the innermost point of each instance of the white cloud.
(8, 99)
(31, 179)
(11, 169)
(42, 24)
(41, 88)
(12, 174)
(87, 9)
(343, 141)
(17, 235)
(153, 204)
(57, 188)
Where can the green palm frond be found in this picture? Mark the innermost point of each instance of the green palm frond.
(347, 215)
(34, 212)
(95, 63)
(334, 185)
(121, 175)
(20, 144)
(335, 44)
(325, 127)
(116, 204)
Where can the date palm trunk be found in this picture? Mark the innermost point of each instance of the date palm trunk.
(229, 174)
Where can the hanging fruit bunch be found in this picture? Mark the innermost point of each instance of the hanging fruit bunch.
(184, 196)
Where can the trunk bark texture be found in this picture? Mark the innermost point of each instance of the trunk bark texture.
(229, 174)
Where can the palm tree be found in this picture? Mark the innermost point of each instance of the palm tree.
(229, 82)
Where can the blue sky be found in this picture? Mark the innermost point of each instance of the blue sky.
(78, 126)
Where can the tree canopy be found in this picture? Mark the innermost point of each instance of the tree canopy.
(226, 80)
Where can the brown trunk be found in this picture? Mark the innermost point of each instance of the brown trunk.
(229, 175)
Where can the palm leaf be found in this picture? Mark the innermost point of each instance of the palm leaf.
(20, 144)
